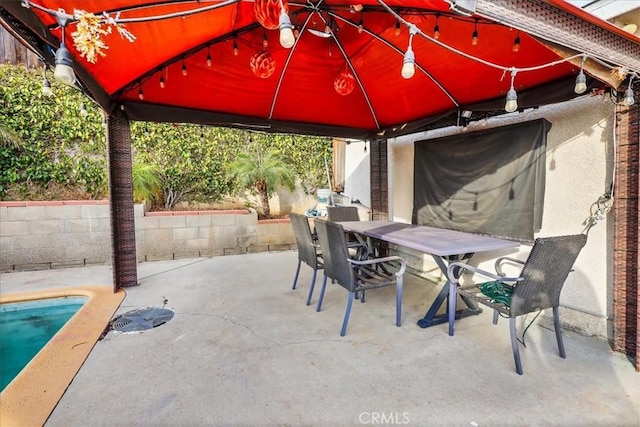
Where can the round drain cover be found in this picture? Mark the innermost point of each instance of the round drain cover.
(142, 319)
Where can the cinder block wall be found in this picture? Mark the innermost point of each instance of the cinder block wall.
(42, 235)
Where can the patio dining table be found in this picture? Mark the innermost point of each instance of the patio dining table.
(445, 246)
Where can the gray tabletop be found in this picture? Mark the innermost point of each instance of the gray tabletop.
(431, 240)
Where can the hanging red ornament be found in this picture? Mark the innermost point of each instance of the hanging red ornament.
(344, 83)
(262, 64)
(268, 12)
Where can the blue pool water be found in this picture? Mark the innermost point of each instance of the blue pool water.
(26, 327)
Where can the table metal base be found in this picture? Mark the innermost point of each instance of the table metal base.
(431, 319)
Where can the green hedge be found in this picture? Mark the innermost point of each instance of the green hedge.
(62, 154)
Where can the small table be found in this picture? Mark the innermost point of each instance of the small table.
(445, 246)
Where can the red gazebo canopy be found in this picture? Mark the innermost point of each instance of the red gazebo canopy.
(191, 61)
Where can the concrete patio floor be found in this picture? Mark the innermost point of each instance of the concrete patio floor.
(243, 349)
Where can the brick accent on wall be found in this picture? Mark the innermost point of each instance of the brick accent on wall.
(626, 298)
(379, 183)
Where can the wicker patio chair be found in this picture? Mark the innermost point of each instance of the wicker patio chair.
(537, 287)
(349, 213)
(342, 213)
(308, 250)
(355, 275)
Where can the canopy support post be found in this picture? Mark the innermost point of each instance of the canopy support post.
(626, 240)
(123, 230)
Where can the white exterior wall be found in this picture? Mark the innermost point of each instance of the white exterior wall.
(357, 172)
(579, 170)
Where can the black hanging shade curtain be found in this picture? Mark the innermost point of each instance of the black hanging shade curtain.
(487, 182)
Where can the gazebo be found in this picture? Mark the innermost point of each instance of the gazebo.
(372, 70)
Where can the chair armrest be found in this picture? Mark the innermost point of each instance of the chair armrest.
(499, 261)
(399, 273)
(453, 279)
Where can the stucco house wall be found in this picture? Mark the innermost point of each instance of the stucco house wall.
(357, 172)
(580, 149)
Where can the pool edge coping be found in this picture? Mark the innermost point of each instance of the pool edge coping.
(33, 395)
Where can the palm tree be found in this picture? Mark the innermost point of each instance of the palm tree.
(146, 183)
(262, 173)
(8, 137)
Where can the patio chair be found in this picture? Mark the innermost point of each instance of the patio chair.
(342, 213)
(356, 275)
(308, 250)
(349, 213)
(537, 287)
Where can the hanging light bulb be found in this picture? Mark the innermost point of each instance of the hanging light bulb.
(184, 68)
(209, 60)
(397, 28)
(140, 94)
(436, 28)
(409, 61)
(287, 40)
(236, 50)
(628, 100)
(162, 82)
(581, 83)
(46, 86)
(581, 79)
(516, 43)
(474, 36)
(64, 71)
(265, 41)
(83, 110)
(360, 26)
(511, 104)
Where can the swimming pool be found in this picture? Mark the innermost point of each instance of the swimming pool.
(26, 327)
(31, 396)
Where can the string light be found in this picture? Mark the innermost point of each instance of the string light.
(397, 28)
(512, 97)
(46, 86)
(516, 43)
(236, 50)
(474, 36)
(63, 58)
(162, 82)
(140, 94)
(209, 60)
(628, 99)
(83, 110)
(287, 40)
(465, 119)
(409, 61)
(360, 25)
(265, 40)
(581, 79)
(64, 63)
(184, 68)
